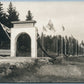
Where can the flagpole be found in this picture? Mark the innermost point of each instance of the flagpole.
(56, 45)
(80, 50)
(63, 28)
(42, 44)
(83, 50)
(65, 46)
(61, 46)
(77, 48)
(43, 29)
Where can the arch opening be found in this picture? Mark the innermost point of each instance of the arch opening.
(23, 45)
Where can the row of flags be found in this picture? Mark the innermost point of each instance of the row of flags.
(50, 27)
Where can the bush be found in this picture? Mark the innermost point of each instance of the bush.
(4, 69)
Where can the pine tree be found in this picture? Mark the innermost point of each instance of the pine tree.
(1, 8)
(1, 11)
(13, 15)
(4, 40)
(3, 16)
(29, 16)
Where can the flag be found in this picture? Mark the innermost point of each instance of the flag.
(44, 29)
(6, 28)
(36, 29)
(63, 28)
(82, 43)
(50, 26)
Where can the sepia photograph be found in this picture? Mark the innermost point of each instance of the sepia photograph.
(41, 41)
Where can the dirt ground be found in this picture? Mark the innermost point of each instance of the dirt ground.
(71, 70)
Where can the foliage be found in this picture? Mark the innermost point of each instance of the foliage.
(13, 15)
(29, 16)
(69, 45)
(3, 17)
(4, 40)
(1, 10)
(6, 20)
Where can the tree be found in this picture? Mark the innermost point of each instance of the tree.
(29, 16)
(1, 10)
(2, 15)
(13, 15)
(4, 40)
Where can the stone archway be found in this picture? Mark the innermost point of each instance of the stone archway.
(23, 45)
(18, 29)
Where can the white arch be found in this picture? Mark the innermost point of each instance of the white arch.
(15, 32)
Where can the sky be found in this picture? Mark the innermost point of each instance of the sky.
(67, 13)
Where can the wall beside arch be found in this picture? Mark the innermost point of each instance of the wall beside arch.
(15, 32)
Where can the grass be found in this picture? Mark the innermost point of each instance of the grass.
(71, 70)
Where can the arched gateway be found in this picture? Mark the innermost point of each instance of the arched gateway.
(23, 39)
(23, 45)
